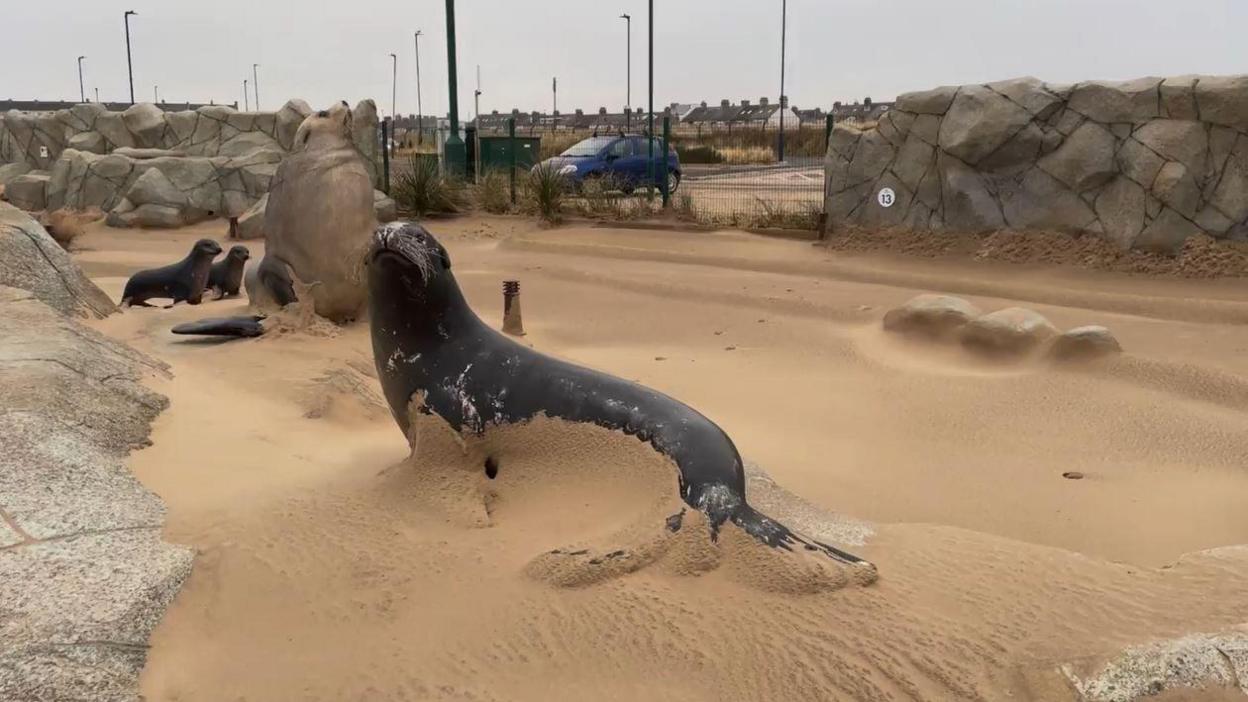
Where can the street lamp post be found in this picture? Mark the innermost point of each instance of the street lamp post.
(420, 112)
(454, 150)
(155, 93)
(394, 86)
(650, 135)
(246, 98)
(82, 92)
(129, 62)
(784, 26)
(97, 96)
(255, 84)
(628, 81)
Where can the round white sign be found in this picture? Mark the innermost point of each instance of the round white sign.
(886, 197)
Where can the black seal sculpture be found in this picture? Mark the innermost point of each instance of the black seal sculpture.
(428, 344)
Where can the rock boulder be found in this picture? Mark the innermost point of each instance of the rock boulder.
(1011, 332)
(931, 317)
(30, 260)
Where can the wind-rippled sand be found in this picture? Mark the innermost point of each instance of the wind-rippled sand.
(331, 566)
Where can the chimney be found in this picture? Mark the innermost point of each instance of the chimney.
(602, 110)
(763, 101)
(866, 102)
(704, 104)
(745, 103)
(638, 110)
(580, 112)
(674, 106)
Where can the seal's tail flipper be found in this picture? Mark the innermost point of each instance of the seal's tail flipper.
(777, 535)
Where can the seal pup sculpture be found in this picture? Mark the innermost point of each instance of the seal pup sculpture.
(183, 281)
(428, 343)
(242, 327)
(225, 278)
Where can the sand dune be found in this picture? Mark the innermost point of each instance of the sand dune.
(333, 566)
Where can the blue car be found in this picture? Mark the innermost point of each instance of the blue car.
(624, 159)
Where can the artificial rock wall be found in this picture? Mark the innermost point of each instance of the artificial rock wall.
(148, 167)
(1145, 163)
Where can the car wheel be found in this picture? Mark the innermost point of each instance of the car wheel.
(673, 182)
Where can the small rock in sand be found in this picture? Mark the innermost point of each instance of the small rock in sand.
(1011, 331)
(930, 316)
(1084, 343)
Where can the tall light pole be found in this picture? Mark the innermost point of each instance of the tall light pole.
(420, 112)
(255, 84)
(650, 139)
(82, 92)
(628, 81)
(784, 26)
(97, 96)
(554, 102)
(394, 86)
(246, 99)
(155, 93)
(129, 63)
(454, 149)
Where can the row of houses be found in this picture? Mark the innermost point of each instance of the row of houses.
(761, 114)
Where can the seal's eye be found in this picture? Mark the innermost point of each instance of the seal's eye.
(323, 113)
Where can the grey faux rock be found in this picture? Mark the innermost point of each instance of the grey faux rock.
(1120, 208)
(1142, 163)
(1014, 331)
(28, 191)
(85, 576)
(1217, 661)
(978, 122)
(1085, 160)
(384, 207)
(251, 223)
(31, 261)
(1132, 101)
(1223, 100)
(1084, 343)
(221, 160)
(1166, 233)
(931, 316)
(927, 102)
(9, 171)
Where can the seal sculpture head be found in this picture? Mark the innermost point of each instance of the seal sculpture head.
(435, 356)
(320, 215)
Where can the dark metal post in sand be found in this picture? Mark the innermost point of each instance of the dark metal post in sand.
(512, 322)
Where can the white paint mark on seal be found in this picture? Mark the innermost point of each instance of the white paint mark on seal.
(886, 197)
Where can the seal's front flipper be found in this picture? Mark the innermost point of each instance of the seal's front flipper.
(242, 327)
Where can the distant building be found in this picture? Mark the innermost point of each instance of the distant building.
(763, 114)
(866, 111)
(53, 105)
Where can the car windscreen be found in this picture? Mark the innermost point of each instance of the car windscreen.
(588, 147)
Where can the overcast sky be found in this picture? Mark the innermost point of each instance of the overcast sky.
(704, 49)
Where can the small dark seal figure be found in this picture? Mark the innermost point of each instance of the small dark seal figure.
(242, 327)
(428, 343)
(226, 276)
(183, 281)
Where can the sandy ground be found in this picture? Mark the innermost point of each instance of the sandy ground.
(331, 569)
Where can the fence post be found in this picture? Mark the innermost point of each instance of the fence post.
(511, 149)
(667, 135)
(385, 153)
(827, 133)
